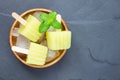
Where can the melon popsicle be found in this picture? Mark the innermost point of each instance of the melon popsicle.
(58, 40)
(29, 28)
(36, 54)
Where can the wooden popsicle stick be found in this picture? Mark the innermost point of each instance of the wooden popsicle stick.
(20, 50)
(58, 18)
(19, 18)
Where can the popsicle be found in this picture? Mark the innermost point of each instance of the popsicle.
(30, 28)
(58, 40)
(35, 55)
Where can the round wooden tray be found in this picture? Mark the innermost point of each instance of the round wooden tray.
(22, 57)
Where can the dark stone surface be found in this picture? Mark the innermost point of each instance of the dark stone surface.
(95, 51)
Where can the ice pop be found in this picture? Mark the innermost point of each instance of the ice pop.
(35, 55)
(58, 40)
(30, 28)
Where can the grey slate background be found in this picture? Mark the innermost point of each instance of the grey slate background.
(95, 51)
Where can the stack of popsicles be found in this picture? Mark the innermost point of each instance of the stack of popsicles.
(32, 29)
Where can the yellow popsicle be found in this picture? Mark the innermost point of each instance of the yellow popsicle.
(58, 40)
(37, 54)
